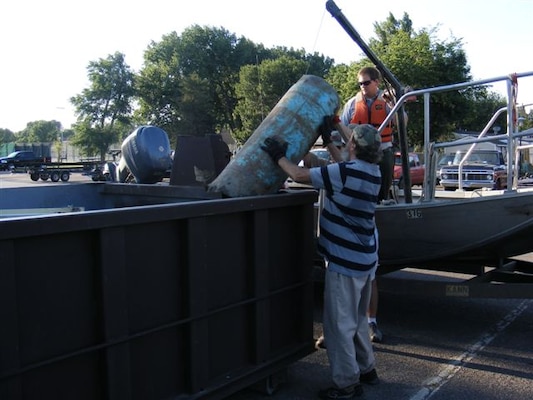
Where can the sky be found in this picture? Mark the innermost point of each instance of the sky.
(46, 45)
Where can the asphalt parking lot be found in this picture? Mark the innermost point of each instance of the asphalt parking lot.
(434, 347)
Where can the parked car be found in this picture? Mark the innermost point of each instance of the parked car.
(416, 170)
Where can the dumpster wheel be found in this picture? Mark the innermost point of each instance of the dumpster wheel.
(271, 383)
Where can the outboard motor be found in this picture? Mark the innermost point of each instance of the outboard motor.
(123, 174)
(146, 153)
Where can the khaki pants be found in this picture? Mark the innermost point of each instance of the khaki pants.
(345, 323)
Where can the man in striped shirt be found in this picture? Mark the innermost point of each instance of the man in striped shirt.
(349, 243)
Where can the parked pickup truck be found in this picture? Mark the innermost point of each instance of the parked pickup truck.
(416, 170)
(482, 169)
(19, 159)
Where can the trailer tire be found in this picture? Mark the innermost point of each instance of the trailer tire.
(54, 176)
(44, 176)
(34, 176)
(65, 176)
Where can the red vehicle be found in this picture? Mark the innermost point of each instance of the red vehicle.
(416, 169)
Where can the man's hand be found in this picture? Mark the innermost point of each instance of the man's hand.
(326, 127)
(274, 148)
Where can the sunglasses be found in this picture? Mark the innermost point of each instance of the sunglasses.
(365, 83)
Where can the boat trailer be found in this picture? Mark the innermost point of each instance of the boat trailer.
(512, 279)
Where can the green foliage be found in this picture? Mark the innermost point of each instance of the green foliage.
(391, 26)
(524, 119)
(6, 136)
(481, 102)
(192, 84)
(197, 106)
(344, 78)
(104, 109)
(316, 64)
(215, 56)
(67, 134)
(419, 60)
(39, 132)
(92, 139)
(159, 86)
(261, 87)
(187, 84)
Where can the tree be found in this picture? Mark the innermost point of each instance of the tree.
(40, 132)
(187, 83)
(6, 136)
(159, 86)
(261, 87)
(525, 119)
(104, 110)
(263, 84)
(482, 105)
(316, 64)
(216, 56)
(419, 60)
(196, 106)
(344, 79)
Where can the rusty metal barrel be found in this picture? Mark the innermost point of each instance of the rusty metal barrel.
(295, 119)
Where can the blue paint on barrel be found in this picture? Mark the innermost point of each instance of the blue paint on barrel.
(295, 119)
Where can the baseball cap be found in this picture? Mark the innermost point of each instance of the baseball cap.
(365, 135)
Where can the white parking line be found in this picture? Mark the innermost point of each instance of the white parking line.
(433, 384)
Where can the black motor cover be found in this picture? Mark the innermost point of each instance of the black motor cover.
(146, 152)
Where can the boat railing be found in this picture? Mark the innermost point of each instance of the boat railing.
(431, 148)
(517, 160)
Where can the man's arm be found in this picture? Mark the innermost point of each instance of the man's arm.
(297, 174)
(346, 134)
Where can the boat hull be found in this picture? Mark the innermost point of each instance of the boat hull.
(446, 233)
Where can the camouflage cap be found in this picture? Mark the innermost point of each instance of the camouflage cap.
(365, 135)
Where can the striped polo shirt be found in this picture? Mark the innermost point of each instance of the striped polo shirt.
(348, 236)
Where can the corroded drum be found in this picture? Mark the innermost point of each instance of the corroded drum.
(295, 119)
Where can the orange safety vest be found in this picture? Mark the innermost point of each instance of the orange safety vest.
(375, 115)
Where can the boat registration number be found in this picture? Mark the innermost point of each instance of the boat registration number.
(414, 213)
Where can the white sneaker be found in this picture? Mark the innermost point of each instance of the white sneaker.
(375, 334)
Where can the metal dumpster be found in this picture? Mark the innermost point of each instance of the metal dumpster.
(151, 292)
